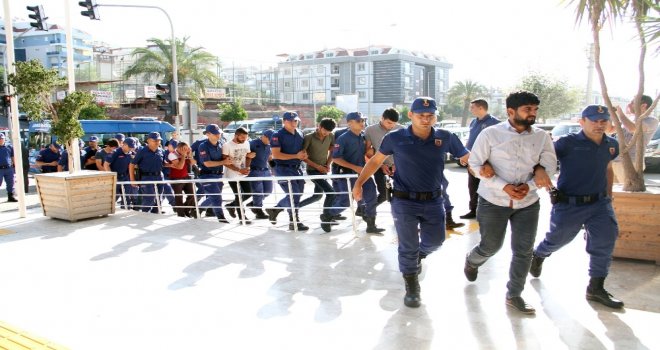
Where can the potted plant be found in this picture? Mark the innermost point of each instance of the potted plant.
(77, 194)
(636, 207)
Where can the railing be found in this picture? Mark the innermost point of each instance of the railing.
(241, 206)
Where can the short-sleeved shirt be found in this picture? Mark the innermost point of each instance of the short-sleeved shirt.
(175, 173)
(64, 160)
(375, 133)
(477, 125)
(6, 153)
(119, 161)
(260, 160)
(336, 168)
(583, 163)
(237, 153)
(48, 156)
(649, 125)
(103, 155)
(195, 147)
(317, 149)
(288, 143)
(149, 161)
(351, 148)
(210, 152)
(90, 152)
(420, 163)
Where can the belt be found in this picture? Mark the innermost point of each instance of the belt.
(288, 165)
(149, 173)
(210, 172)
(587, 199)
(420, 196)
(5, 166)
(122, 174)
(258, 169)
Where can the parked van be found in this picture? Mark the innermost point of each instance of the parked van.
(260, 125)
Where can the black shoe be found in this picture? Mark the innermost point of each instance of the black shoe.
(338, 217)
(231, 211)
(11, 199)
(301, 227)
(596, 292)
(450, 224)
(209, 212)
(327, 222)
(272, 214)
(470, 215)
(259, 214)
(470, 271)
(359, 211)
(519, 304)
(537, 266)
(223, 220)
(413, 296)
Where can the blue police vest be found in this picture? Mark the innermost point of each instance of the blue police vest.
(288, 143)
(149, 161)
(6, 152)
(262, 154)
(350, 147)
(209, 152)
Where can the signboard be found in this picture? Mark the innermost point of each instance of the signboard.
(129, 94)
(103, 96)
(60, 95)
(150, 91)
(215, 93)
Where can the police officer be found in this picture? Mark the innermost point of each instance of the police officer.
(259, 168)
(90, 153)
(48, 158)
(7, 168)
(287, 147)
(102, 155)
(119, 162)
(149, 161)
(584, 198)
(417, 203)
(63, 163)
(348, 153)
(211, 163)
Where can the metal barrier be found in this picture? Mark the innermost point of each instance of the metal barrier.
(240, 207)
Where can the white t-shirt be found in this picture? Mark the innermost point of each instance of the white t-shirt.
(649, 124)
(237, 152)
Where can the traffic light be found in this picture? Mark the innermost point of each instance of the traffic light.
(6, 101)
(92, 9)
(39, 17)
(167, 102)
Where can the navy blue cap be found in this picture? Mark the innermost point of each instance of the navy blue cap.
(93, 138)
(154, 135)
(269, 133)
(595, 113)
(120, 137)
(173, 143)
(130, 142)
(2, 136)
(290, 116)
(213, 129)
(57, 145)
(355, 116)
(423, 105)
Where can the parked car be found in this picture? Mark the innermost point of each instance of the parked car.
(564, 129)
(230, 129)
(260, 125)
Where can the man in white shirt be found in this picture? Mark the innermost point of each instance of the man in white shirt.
(514, 149)
(238, 150)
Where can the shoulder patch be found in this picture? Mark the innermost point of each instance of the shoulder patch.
(438, 142)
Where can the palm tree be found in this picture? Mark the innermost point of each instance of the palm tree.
(598, 12)
(192, 63)
(464, 92)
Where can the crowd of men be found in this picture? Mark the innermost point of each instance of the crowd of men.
(508, 162)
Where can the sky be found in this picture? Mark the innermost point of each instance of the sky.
(495, 43)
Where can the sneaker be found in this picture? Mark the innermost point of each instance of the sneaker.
(537, 266)
(470, 215)
(223, 220)
(519, 304)
(272, 214)
(470, 271)
(338, 217)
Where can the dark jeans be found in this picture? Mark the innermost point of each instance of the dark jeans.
(182, 207)
(320, 186)
(493, 220)
(379, 177)
(246, 192)
(473, 185)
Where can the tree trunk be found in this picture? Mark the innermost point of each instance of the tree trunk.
(466, 109)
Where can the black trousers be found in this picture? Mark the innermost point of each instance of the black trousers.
(379, 178)
(473, 185)
(246, 192)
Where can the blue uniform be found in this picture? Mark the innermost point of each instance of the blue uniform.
(150, 165)
(289, 143)
(90, 152)
(64, 160)
(119, 162)
(48, 156)
(351, 148)
(417, 203)
(584, 200)
(259, 168)
(6, 168)
(213, 190)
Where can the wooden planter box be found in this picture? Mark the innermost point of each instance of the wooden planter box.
(82, 195)
(638, 214)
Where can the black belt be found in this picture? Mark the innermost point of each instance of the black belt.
(122, 174)
(258, 169)
(147, 173)
(210, 172)
(288, 165)
(420, 196)
(5, 166)
(587, 199)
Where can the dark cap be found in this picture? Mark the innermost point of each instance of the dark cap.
(290, 116)
(357, 116)
(130, 142)
(57, 145)
(93, 138)
(595, 113)
(213, 129)
(120, 137)
(2, 136)
(423, 105)
(269, 133)
(154, 135)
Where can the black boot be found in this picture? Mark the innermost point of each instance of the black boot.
(300, 225)
(222, 219)
(413, 297)
(469, 215)
(327, 222)
(241, 216)
(596, 292)
(450, 224)
(10, 198)
(371, 226)
(537, 266)
(209, 212)
(272, 214)
(259, 214)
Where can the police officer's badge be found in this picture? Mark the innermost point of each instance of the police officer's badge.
(425, 103)
(612, 150)
(438, 142)
(600, 110)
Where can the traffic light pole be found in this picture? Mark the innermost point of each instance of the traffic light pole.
(175, 69)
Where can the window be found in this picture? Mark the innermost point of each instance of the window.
(335, 82)
(309, 57)
(305, 96)
(374, 52)
(361, 67)
(304, 83)
(320, 82)
(407, 68)
(329, 54)
(406, 82)
(362, 80)
(362, 94)
(287, 84)
(287, 71)
(288, 97)
(335, 69)
(304, 71)
(320, 69)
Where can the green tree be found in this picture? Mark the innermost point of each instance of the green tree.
(93, 112)
(403, 114)
(462, 93)
(234, 111)
(555, 95)
(598, 13)
(331, 112)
